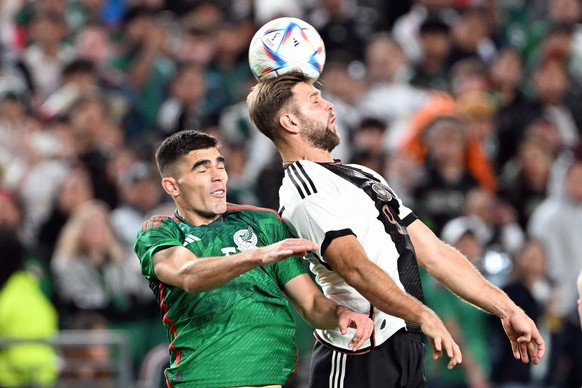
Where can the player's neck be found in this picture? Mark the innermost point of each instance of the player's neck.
(290, 155)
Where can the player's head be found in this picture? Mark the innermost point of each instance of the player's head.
(290, 105)
(193, 174)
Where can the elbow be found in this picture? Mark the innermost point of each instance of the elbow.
(190, 281)
(431, 258)
(192, 285)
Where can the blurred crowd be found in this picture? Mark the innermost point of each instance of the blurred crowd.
(469, 108)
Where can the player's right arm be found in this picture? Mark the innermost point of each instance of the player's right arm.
(179, 267)
(159, 246)
(347, 257)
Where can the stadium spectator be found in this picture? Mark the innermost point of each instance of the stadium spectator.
(524, 180)
(467, 325)
(147, 68)
(555, 223)
(140, 194)
(94, 272)
(45, 57)
(429, 72)
(184, 106)
(530, 287)
(75, 190)
(26, 314)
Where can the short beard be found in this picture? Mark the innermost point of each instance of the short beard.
(317, 135)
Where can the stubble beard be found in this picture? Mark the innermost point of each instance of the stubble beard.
(318, 135)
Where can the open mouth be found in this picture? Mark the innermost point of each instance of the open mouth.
(218, 193)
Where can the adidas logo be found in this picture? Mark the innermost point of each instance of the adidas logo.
(190, 239)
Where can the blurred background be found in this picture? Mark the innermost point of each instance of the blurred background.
(471, 109)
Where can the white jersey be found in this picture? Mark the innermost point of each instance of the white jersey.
(319, 204)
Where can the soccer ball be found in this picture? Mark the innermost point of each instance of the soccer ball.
(286, 44)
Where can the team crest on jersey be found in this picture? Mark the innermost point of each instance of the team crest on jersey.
(382, 192)
(245, 239)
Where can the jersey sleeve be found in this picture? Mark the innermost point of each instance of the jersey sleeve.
(319, 217)
(157, 233)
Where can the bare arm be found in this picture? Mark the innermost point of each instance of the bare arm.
(347, 257)
(321, 312)
(179, 267)
(452, 269)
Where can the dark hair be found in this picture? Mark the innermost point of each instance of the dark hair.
(78, 66)
(13, 254)
(434, 25)
(179, 145)
(268, 97)
(372, 122)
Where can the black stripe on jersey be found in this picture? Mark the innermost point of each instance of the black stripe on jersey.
(300, 180)
(307, 177)
(295, 183)
(329, 236)
(409, 219)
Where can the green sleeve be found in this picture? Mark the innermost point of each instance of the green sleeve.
(157, 233)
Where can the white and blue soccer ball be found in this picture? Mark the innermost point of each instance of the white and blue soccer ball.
(286, 44)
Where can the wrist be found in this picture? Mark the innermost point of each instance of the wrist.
(339, 310)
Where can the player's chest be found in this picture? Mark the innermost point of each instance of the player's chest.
(224, 240)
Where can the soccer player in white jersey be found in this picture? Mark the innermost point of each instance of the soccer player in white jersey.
(370, 244)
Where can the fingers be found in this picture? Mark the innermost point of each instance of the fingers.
(532, 351)
(515, 350)
(448, 346)
(364, 328)
(522, 345)
(298, 245)
(540, 344)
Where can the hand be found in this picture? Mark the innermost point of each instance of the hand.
(440, 339)
(361, 322)
(283, 249)
(525, 338)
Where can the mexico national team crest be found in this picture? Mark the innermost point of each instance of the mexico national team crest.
(382, 192)
(245, 239)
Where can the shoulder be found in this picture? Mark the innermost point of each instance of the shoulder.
(305, 178)
(251, 211)
(159, 221)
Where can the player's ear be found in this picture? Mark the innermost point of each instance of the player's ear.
(170, 186)
(289, 122)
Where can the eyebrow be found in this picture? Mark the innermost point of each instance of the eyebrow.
(207, 162)
(314, 94)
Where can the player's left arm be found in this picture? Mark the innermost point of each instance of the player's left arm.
(321, 312)
(451, 268)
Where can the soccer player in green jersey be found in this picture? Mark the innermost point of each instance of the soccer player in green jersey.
(223, 275)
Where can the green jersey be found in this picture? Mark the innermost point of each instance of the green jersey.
(242, 333)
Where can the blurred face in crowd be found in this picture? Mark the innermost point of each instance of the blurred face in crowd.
(75, 190)
(565, 11)
(383, 59)
(550, 81)
(190, 85)
(506, 70)
(470, 246)
(531, 260)
(445, 141)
